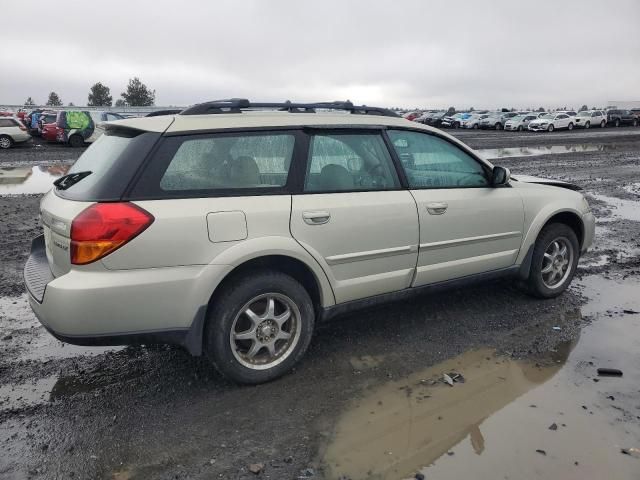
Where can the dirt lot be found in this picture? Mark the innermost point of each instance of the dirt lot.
(368, 401)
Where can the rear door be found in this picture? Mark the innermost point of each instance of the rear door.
(466, 226)
(353, 215)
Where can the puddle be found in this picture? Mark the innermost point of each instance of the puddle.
(628, 209)
(23, 180)
(26, 394)
(493, 153)
(493, 425)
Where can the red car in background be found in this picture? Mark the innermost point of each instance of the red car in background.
(50, 132)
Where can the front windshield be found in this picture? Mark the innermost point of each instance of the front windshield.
(518, 118)
(547, 116)
(584, 114)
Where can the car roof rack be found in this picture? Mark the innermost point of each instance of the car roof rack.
(237, 105)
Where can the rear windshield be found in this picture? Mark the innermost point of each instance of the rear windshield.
(113, 160)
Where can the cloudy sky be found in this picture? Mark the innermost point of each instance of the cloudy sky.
(391, 53)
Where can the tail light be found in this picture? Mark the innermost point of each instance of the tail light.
(104, 227)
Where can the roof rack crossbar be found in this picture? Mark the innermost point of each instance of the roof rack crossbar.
(237, 105)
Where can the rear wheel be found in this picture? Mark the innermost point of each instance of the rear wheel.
(617, 122)
(475, 126)
(76, 141)
(520, 128)
(5, 141)
(259, 327)
(554, 261)
(550, 127)
(570, 127)
(635, 122)
(603, 123)
(498, 126)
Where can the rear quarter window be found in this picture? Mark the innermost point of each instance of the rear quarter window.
(113, 160)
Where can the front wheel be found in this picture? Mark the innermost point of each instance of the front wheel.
(617, 122)
(603, 123)
(498, 126)
(635, 123)
(587, 125)
(259, 327)
(520, 128)
(5, 142)
(475, 126)
(554, 261)
(550, 127)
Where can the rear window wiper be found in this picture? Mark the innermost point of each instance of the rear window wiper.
(69, 180)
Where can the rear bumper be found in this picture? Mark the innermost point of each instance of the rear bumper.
(121, 307)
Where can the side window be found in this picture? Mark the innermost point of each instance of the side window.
(111, 117)
(431, 162)
(230, 162)
(349, 162)
(6, 123)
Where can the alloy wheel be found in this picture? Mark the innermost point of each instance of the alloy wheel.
(557, 262)
(5, 142)
(265, 331)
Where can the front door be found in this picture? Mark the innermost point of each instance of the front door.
(354, 217)
(466, 226)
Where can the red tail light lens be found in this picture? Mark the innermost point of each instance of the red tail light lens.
(104, 227)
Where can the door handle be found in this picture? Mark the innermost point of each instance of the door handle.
(316, 218)
(437, 208)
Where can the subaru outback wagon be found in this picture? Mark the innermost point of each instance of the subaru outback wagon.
(231, 229)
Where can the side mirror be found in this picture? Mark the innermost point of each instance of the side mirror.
(500, 176)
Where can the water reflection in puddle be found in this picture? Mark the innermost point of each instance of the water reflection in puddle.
(25, 180)
(509, 419)
(406, 425)
(493, 153)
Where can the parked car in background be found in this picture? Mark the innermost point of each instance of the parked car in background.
(591, 118)
(618, 117)
(436, 119)
(494, 120)
(473, 121)
(552, 121)
(44, 118)
(520, 122)
(50, 132)
(455, 121)
(12, 131)
(212, 231)
(636, 112)
(412, 115)
(74, 127)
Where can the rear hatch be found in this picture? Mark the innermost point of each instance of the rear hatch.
(101, 174)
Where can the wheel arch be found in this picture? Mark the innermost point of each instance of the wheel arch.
(571, 218)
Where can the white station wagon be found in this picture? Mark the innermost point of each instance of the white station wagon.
(234, 227)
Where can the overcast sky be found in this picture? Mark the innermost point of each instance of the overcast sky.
(391, 53)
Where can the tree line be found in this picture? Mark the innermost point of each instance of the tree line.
(137, 94)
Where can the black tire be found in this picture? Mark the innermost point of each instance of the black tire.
(617, 122)
(570, 127)
(6, 142)
(76, 141)
(635, 123)
(520, 128)
(498, 126)
(228, 305)
(475, 126)
(550, 128)
(587, 125)
(535, 284)
(603, 123)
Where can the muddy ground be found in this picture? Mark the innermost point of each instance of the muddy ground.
(368, 400)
